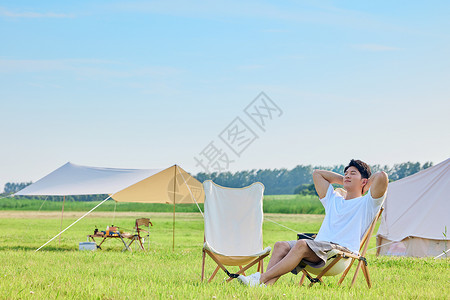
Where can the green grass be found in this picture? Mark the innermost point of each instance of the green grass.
(289, 204)
(293, 204)
(61, 271)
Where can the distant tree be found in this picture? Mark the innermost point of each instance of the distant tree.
(427, 165)
(284, 181)
(13, 187)
(306, 189)
(399, 171)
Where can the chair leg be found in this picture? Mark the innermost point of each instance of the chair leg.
(241, 271)
(219, 265)
(240, 268)
(302, 279)
(319, 277)
(203, 264)
(345, 272)
(140, 243)
(261, 266)
(213, 274)
(335, 261)
(307, 275)
(356, 273)
(366, 275)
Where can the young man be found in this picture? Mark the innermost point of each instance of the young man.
(348, 214)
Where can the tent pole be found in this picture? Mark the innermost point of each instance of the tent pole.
(173, 225)
(60, 226)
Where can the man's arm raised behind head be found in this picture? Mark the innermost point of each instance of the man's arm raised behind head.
(378, 184)
(322, 180)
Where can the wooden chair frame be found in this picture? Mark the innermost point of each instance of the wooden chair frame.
(258, 260)
(137, 236)
(362, 262)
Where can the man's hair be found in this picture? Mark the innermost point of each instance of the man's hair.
(362, 167)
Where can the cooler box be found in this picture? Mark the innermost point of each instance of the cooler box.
(88, 246)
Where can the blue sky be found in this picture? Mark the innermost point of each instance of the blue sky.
(149, 84)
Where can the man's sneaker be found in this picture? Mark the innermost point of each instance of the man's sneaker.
(251, 280)
(256, 276)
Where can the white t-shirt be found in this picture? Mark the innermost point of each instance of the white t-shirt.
(346, 221)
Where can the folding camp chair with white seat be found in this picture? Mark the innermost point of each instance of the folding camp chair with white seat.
(233, 228)
(142, 231)
(340, 261)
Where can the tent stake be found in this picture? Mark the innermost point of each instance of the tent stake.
(60, 226)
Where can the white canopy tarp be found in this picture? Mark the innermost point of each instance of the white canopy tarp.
(172, 185)
(72, 179)
(417, 206)
(124, 185)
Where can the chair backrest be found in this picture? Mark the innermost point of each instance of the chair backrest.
(365, 240)
(233, 218)
(143, 222)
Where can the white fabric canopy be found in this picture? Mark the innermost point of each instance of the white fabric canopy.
(72, 179)
(418, 205)
(172, 185)
(124, 185)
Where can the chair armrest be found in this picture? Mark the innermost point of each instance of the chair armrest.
(346, 254)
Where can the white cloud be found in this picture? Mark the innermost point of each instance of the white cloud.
(375, 47)
(30, 14)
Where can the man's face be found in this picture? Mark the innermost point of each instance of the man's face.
(353, 180)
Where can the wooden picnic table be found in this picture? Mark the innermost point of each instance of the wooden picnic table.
(104, 237)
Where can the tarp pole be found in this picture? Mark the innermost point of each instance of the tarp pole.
(74, 223)
(62, 213)
(173, 226)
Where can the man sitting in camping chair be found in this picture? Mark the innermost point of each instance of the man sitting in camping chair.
(347, 216)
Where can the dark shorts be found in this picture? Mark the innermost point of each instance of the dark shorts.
(321, 249)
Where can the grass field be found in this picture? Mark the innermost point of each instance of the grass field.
(61, 271)
(289, 204)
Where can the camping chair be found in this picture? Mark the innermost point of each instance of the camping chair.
(233, 228)
(340, 261)
(141, 233)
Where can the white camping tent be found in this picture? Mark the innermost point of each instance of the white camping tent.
(172, 185)
(417, 214)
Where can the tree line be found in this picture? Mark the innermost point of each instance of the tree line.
(276, 181)
(299, 179)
